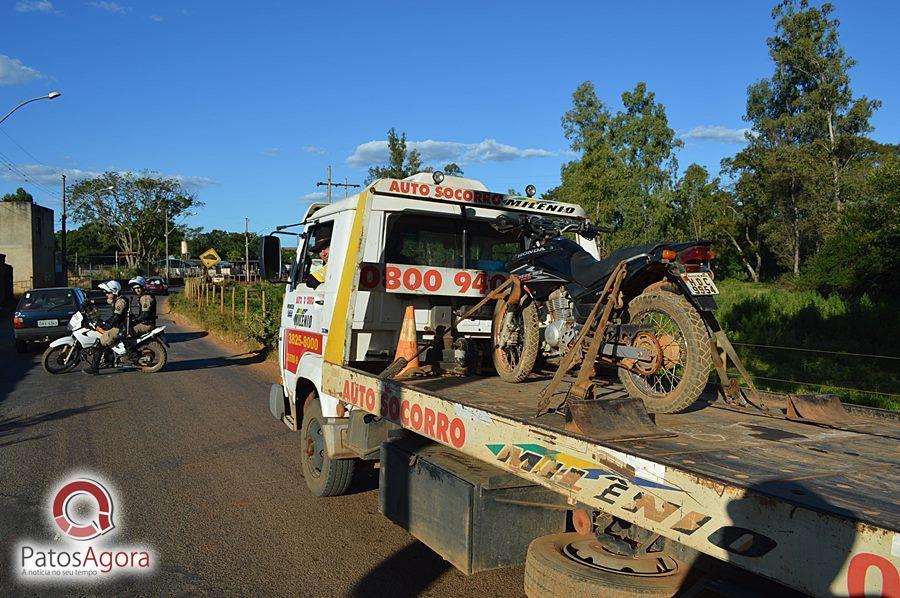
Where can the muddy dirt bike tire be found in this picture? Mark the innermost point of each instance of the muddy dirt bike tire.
(699, 358)
(550, 572)
(531, 342)
(334, 476)
(161, 357)
(49, 360)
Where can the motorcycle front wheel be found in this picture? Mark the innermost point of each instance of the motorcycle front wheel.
(152, 357)
(680, 343)
(515, 339)
(61, 359)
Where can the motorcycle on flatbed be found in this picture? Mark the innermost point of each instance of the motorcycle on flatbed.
(655, 335)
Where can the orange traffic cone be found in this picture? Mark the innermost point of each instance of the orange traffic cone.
(407, 346)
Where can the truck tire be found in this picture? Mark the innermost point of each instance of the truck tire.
(674, 316)
(324, 476)
(550, 570)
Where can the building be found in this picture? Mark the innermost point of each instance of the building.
(28, 240)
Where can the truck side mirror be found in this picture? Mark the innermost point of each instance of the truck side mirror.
(270, 258)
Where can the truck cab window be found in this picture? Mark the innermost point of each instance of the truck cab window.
(309, 259)
(418, 240)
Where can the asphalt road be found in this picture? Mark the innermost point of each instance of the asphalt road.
(206, 477)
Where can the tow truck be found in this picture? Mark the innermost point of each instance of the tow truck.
(805, 502)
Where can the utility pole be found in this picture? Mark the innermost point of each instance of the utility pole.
(247, 249)
(328, 185)
(167, 242)
(64, 257)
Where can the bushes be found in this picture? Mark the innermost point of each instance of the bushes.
(764, 314)
(211, 306)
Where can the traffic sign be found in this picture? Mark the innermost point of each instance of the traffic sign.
(210, 258)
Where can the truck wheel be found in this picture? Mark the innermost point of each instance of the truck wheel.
(324, 476)
(577, 566)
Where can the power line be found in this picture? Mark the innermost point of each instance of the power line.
(817, 351)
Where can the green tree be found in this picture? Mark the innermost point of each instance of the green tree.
(861, 256)
(19, 195)
(89, 239)
(453, 169)
(805, 159)
(626, 164)
(132, 209)
(229, 245)
(401, 162)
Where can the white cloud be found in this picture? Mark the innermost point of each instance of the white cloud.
(271, 152)
(315, 195)
(34, 6)
(718, 133)
(112, 7)
(488, 150)
(313, 149)
(13, 72)
(50, 175)
(156, 18)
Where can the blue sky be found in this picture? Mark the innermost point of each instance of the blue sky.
(249, 102)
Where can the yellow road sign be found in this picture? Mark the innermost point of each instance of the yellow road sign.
(210, 258)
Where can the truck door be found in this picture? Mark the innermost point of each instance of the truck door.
(303, 318)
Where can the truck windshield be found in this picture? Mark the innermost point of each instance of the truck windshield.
(420, 240)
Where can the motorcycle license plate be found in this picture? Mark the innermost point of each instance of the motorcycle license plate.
(47, 323)
(700, 283)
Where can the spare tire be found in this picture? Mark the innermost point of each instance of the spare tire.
(577, 566)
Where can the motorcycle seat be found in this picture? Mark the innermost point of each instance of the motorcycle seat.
(589, 272)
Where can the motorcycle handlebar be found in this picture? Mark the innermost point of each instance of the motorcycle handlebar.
(537, 226)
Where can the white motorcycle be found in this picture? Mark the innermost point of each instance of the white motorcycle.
(146, 352)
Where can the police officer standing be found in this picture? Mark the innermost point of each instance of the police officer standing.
(145, 320)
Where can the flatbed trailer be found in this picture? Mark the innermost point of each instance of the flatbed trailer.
(810, 506)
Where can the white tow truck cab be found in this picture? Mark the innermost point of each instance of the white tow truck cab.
(754, 500)
(426, 245)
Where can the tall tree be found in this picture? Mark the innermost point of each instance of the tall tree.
(808, 146)
(401, 162)
(132, 208)
(626, 163)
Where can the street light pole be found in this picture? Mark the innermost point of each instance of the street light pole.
(50, 96)
(65, 261)
(167, 242)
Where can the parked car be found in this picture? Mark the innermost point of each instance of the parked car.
(43, 314)
(157, 286)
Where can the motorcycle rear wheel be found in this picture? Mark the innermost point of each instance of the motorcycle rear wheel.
(60, 359)
(514, 363)
(684, 342)
(153, 357)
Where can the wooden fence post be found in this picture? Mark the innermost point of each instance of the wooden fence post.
(246, 301)
(264, 304)
(222, 300)
(232, 302)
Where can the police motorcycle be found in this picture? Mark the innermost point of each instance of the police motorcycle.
(146, 352)
(658, 335)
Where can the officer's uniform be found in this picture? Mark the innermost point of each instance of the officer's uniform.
(146, 317)
(120, 312)
(317, 275)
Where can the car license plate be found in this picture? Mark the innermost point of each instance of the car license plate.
(47, 323)
(700, 283)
